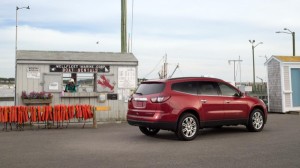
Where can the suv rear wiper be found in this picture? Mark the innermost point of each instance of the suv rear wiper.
(138, 93)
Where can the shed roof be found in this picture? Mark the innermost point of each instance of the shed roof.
(288, 58)
(34, 55)
(284, 59)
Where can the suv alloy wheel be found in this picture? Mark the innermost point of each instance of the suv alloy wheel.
(256, 121)
(188, 127)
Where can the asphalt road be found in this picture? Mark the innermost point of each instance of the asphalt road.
(121, 145)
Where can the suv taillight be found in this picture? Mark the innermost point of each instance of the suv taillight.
(159, 99)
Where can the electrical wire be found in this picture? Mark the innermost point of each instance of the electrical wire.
(160, 61)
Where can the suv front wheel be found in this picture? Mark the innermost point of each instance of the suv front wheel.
(188, 127)
(256, 121)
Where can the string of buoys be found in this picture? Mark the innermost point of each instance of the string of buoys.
(57, 114)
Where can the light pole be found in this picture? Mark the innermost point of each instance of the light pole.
(17, 8)
(288, 31)
(253, 46)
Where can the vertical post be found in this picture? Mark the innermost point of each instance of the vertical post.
(294, 51)
(234, 73)
(94, 118)
(165, 68)
(253, 86)
(16, 43)
(240, 70)
(123, 26)
(17, 8)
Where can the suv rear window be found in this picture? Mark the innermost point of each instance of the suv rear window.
(150, 88)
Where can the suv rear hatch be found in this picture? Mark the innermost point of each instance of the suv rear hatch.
(145, 102)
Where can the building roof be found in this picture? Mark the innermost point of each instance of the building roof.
(33, 55)
(284, 59)
(288, 58)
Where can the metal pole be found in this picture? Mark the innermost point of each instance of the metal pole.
(294, 51)
(288, 31)
(16, 47)
(253, 68)
(234, 72)
(240, 70)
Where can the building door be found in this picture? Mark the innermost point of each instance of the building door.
(295, 74)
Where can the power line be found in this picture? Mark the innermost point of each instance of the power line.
(155, 67)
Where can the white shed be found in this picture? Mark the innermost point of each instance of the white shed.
(283, 83)
(104, 79)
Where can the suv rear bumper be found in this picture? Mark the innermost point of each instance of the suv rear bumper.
(158, 125)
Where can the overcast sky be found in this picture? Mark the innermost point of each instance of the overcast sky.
(200, 35)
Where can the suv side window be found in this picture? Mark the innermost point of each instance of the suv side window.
(208, 88)
(227, 90)
(186, 87)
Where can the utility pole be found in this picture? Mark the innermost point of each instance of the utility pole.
(234, 74)
(124, 26)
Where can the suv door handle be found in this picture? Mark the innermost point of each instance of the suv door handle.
(203, 101)
(227, 101)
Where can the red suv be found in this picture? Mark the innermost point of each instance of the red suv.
(185, 105)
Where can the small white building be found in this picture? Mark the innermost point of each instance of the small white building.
(283, 83)
(104, 79)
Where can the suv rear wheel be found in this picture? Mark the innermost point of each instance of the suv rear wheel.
(188, 127)
(149, 131)
(256, 121)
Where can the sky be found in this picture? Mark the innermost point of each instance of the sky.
(199, 35)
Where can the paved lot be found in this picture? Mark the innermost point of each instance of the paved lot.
(121, 145)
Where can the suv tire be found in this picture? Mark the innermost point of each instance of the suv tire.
(256, 121)
(149, 131)
(188, 127)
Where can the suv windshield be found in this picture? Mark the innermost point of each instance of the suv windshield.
(150, 88)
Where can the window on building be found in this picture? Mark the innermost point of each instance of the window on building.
(85, 82)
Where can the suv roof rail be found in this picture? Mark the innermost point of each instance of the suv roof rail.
(193, 77)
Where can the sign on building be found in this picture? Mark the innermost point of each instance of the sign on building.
(126, 77)
(33, 73)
